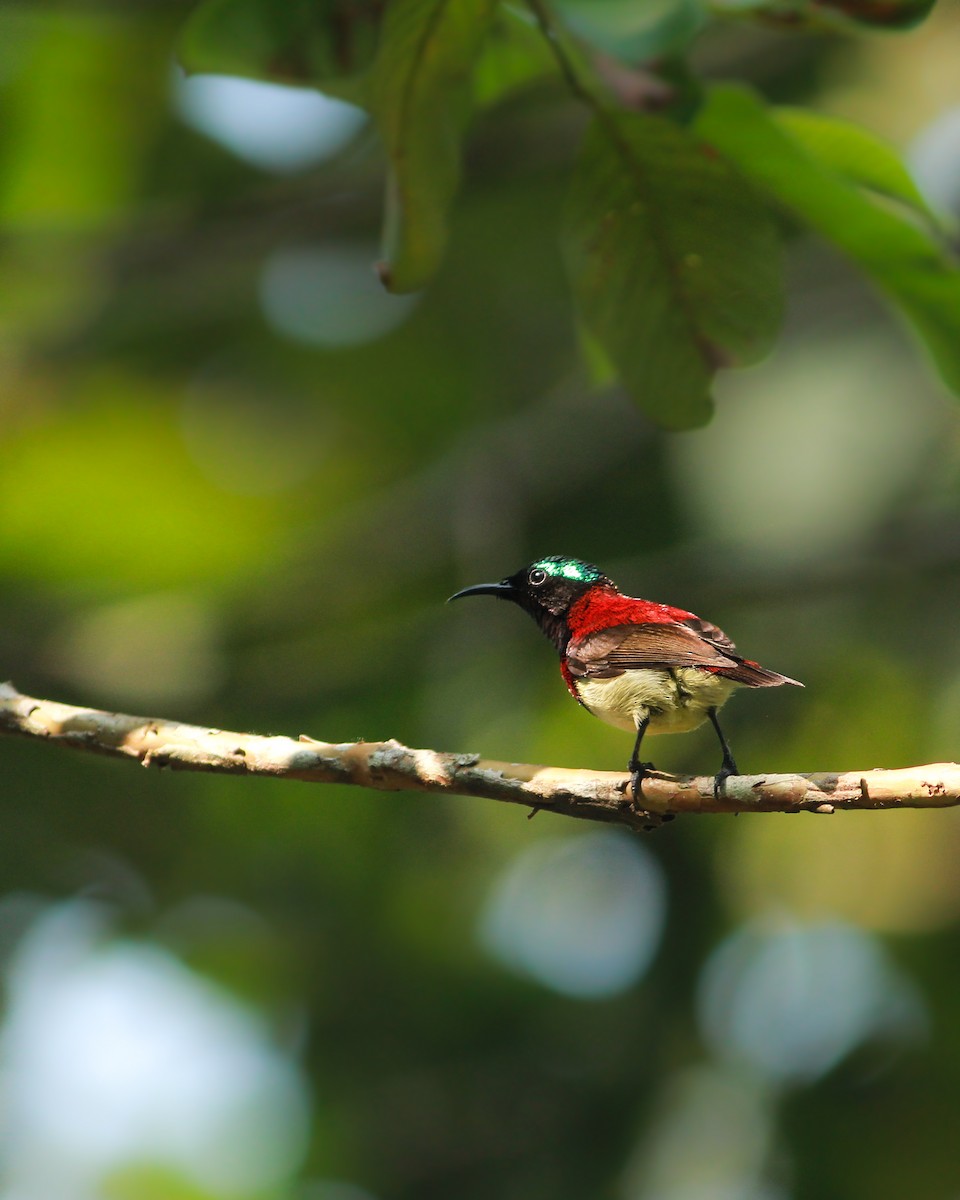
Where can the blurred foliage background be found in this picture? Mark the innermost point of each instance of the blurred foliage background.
(237, 481)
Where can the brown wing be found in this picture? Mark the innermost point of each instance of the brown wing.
(622, 648)
(693, 643)
(711, 633)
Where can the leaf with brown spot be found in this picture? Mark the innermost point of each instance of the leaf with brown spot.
(674, 260)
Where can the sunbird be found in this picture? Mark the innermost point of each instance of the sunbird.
(636, 664)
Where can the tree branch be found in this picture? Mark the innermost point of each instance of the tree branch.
(390, 766)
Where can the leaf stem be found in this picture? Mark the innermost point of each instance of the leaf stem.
(544, 18)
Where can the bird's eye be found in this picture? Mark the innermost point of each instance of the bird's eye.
(537, 576)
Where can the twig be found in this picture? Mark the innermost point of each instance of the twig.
(390, 766)
(632, 87)
(542, 16)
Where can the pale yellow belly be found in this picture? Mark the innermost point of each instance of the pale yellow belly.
(673, 702)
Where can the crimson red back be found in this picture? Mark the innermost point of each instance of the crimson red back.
(601, 607)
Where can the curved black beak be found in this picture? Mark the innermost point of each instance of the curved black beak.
(504, 590)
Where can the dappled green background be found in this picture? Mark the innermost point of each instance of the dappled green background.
(237, 481)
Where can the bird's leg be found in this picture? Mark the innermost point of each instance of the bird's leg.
(728, 767)
(638, 771)
(637, 768)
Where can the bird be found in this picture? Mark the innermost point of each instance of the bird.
(637, 664)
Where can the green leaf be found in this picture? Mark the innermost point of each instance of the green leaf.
(830, 14)
(906, 262)
(327, 44)
(853, 153)
(635, 32)
(514, 55)
(421, 91)
(674, 261)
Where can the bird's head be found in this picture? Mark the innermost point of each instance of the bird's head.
(546, 589)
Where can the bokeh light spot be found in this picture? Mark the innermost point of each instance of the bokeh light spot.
(792, 1000)
(329, 296)
(582, 916)
(858, 425)
(114, 1054)
(935, 161)
(269, 125)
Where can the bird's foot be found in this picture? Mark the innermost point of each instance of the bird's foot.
(633, 766)
(728, 768)
(638, 772)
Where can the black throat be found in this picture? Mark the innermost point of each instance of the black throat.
(554, 625)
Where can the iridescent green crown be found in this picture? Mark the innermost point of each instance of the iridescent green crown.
(570, 568)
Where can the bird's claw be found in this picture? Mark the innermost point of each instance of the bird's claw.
(720, 779)
(638, 772)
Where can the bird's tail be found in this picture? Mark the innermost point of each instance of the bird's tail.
(751, 674)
